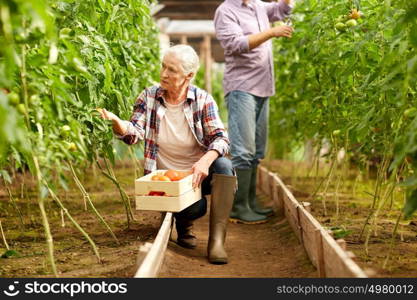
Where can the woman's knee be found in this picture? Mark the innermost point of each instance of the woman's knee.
(223, 165)
(194, 211)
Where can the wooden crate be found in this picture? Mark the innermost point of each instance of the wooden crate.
(178, 194)
(144, 185)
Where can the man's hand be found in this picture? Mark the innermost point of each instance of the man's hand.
(279, 31)
(282, 31)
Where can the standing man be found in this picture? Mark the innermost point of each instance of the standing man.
(244, 31)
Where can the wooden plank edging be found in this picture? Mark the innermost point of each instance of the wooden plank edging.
(330, 259)
(153, 261)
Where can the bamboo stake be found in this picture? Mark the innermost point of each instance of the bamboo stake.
(110, 174)
(21, 188)
(125, 198)
(394, 232)
(22, 224)
(318, 161)
(388, 191)
(138, 168)
(311, 167)
(87, 196)
(355, 183)
(336, 194)
(4, 237)
(328, 175)
(38, 175)
(329, 178)
(376, 198)
(62, 218)
(48, 235)
(23, 79)
(83, 232)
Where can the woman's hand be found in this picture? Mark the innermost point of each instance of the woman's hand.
(201, 168)
(200, 172)
(118, 126)
(107, 115)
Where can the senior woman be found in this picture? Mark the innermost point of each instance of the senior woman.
(182, 130)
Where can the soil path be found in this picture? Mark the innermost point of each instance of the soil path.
(265, 250)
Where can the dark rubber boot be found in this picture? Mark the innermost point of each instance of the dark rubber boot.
(241, 211)
(185, 238)
(253, 203)
(222, 195)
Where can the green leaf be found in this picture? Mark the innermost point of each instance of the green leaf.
(5, 175)
(10, 253)
(44, 192)
(411, 204)
(340, 232)
(410, 182)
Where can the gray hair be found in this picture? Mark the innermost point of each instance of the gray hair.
(188, 57)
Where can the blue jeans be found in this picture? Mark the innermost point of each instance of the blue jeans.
(221, 165)
(248, 128)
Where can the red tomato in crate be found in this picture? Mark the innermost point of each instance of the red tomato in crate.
(160, 178)
(183, 174)
(155, 193)
(173, 175)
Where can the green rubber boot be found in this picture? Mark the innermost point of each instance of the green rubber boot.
(241, 211)
(253, 203)
(222, 195)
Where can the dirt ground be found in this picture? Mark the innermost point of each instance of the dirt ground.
(267, 250)
(264, 250)
(73, 254)
(386, 259)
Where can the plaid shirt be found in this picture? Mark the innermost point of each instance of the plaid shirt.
(200, 111)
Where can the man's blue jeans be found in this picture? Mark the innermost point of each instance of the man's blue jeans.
(221, 165)
(247, 127)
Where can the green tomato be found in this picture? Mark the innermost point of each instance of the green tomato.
(78, 65)
(341, 19)
(20, 37)
(21, 108)
(71, 146)
(340, 26)
(34, 99)
(351, 23)
(81, 69)
(65, 32)
(409, 112)
(14, 98)
(65, 130)
(336, 132)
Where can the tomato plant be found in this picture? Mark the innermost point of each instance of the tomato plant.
(348, 77)
(60, 60)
